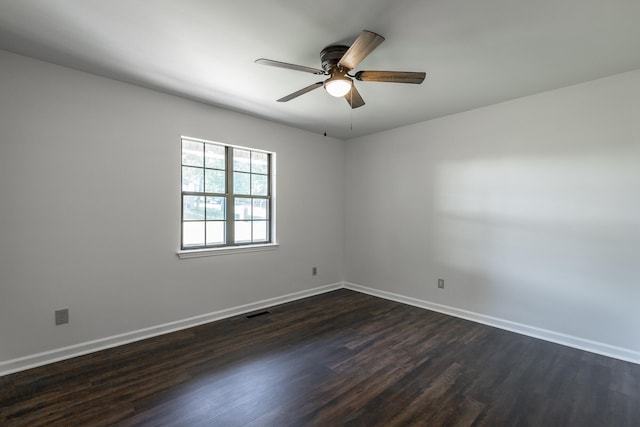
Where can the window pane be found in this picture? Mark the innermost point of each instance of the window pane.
(243, 231)
(259, 163)
(241, 183)
(259, 185)
(208, 180)
(241, 160)
(214, 181)
(260, 209)
(260, 231)
(192, 179)
(192, 153)
(242, 208)
(193, 233)
(216, 208)
(214, 156)
(192, 207)
(215, 232)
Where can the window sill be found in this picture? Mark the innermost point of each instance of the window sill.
(197, 253)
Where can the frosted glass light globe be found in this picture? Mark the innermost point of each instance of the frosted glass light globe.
(338, 86)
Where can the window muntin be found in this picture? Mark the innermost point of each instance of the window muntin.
(226, 195)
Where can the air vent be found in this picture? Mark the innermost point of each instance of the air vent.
(261, 313)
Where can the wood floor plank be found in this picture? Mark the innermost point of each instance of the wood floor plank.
(341, 358)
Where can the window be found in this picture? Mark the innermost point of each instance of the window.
(226, 195)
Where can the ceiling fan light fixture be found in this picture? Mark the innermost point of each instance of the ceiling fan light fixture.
(338, 61)
(338, 85)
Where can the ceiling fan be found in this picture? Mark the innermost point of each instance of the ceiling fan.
(338, 61)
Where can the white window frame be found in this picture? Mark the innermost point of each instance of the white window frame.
(231, 247)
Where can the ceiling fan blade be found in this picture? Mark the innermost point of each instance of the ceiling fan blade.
(272, 63)
(391, 76)
(366, 42)
(353, 98)
(300, 92)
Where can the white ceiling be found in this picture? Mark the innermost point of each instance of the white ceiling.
(475, 52)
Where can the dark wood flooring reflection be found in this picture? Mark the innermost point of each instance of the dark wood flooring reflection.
(342, 358)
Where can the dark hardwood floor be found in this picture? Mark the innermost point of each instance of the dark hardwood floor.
(342, 358)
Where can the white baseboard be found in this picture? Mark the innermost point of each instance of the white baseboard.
(58, 354)
(532, 331)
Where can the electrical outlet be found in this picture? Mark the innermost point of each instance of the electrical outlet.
(314, 271)
(441, 283)
(62, 316)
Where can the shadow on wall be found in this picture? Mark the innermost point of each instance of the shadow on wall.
(545, 240)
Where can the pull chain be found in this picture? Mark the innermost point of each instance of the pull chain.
(351, 102)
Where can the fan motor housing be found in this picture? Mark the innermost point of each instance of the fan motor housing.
(331, 55)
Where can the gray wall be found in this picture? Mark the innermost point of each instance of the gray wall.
(529, 209)
(90, 209)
